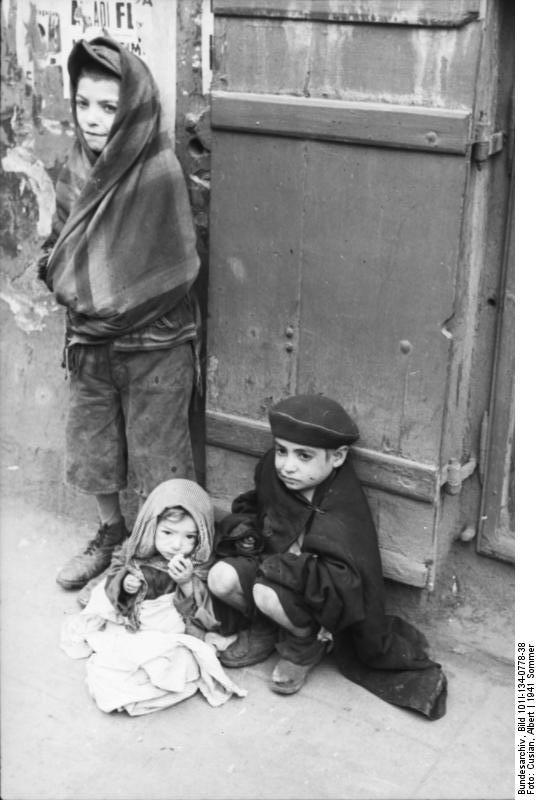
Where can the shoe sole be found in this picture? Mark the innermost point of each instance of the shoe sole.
(70, 585)
(292, 688)
(246, 662)
(281, 688)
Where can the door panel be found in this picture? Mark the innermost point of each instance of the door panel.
(256, 217)
(426, 62)
(341, 158)
(378, 283)
(373, 284)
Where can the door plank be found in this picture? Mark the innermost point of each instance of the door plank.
(254, 280)
(378, 124)
(429, 67)
(379, 470)
(398, 567)
(450, 13)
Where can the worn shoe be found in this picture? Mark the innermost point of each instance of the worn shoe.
(288, 678)
(84, 594)
(95, 558)
(252, 645)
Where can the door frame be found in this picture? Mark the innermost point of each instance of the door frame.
(493, 538)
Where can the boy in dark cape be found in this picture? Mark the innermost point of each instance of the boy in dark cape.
(310, 580)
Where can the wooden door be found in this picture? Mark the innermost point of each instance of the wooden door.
(344, 237)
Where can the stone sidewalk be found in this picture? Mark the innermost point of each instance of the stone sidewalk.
(332, 740)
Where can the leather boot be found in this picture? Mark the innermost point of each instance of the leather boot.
(94, 559)
(254, 644)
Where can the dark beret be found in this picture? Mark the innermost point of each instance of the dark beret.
(312, 420)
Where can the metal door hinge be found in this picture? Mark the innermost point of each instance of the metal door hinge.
(486, 143)
(454, 474)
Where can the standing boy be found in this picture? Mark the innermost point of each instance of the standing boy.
(122, 258)
(317, 582)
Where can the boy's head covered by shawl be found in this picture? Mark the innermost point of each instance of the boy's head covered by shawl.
(138, 102)
(95, 76)
(124, 245)
(176, 493)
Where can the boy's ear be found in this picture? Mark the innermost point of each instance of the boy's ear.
(340, 454)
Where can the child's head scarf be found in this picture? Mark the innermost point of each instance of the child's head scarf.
(177, 493)
(126, 247)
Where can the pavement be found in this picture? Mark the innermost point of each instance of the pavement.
(332, 740)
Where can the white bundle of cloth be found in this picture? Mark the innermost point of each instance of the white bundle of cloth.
(149, 669)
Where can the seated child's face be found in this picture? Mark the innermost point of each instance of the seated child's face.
(176, 534)
(301, 468)
(97, 99)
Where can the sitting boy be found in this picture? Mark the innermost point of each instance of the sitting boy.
(314, 581)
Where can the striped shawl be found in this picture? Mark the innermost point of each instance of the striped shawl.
(125, 252)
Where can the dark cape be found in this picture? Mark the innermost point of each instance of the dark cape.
(339, 575)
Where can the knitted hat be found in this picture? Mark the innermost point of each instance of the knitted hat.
(314, 420)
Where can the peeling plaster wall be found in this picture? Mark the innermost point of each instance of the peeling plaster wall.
(36, 135)
(33, 391)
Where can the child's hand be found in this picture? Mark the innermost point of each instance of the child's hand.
(180, 569)
(131, 583)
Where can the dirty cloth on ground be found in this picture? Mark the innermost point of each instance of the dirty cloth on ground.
(157, 666)
(336, 582)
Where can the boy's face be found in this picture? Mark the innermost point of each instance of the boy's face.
(96, 99)
(176, 537)
(301, 468)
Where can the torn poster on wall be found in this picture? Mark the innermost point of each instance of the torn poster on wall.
(126, 22)
(47, 30)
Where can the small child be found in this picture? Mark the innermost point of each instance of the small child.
(122, 260)
(169, 551)
(315, 581)
(149, 626)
